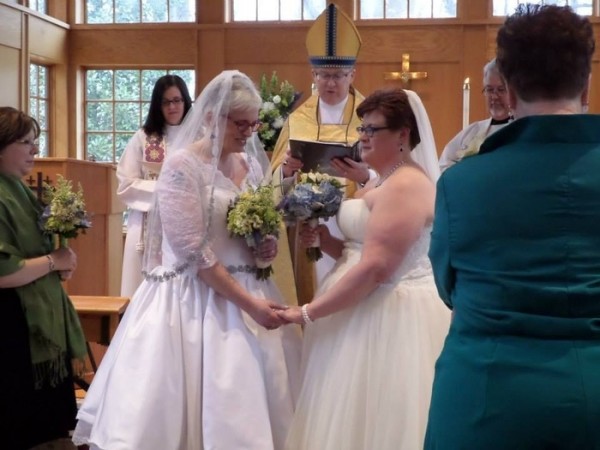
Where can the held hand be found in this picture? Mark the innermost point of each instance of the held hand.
(65, 275)
(64, 259)
(292, 315)
(308, 235)
(290, 165)
(266, 314)
(267, 249)
(355, 171)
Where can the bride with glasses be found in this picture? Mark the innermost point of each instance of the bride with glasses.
(376, 326)
(200, 360)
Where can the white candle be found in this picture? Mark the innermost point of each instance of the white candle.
(466, 99)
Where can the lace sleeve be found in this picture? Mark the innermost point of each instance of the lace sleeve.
(184, 192)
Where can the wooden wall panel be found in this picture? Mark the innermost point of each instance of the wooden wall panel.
(9, 77)
(47, 40)
(129, 47)
(11, 21)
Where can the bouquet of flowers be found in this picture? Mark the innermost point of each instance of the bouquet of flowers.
(254, 216)
(315, 195)
(64, 213)
(278, 102)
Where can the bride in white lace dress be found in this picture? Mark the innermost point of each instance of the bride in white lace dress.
(200, 360)
(376, 327)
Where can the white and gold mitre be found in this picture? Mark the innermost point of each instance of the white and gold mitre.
(333, 40)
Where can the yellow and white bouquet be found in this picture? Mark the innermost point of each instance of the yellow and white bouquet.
(64, 212)
(278, 102)
(253, 216)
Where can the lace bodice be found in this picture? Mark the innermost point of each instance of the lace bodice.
(194, 209)
(352, 219)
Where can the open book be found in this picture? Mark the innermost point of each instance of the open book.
(317, 155)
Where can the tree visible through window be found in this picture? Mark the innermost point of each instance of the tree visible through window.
(139, 11)
(276, 10)
(39, 6)
(116, 105)
(39, 103)
(581, 7)
(407, 9)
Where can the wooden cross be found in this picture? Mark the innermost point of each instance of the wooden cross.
(406, 75)
(38, 185)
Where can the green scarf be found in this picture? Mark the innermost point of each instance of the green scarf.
(55, 334)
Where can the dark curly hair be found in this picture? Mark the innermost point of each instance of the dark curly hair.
(14, 125)
(155, 122)
(545, 52)
(394, 105)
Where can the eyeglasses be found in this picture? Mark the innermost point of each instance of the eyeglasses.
(174, 101)
(489, 90)
(28, 142)
(335, 77)
(243, 125)
(370, 130)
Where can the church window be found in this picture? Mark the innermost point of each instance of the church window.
(139, 11)
(507, 7)
(116, 105)
(39, 103)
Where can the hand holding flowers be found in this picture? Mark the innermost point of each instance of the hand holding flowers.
(316, 195)
(254, 217)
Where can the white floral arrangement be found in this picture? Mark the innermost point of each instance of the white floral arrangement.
(278, 101)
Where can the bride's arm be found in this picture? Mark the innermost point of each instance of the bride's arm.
(401, 209)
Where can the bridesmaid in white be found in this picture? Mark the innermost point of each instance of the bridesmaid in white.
(376, 327)
(199, 360)
(139, 167)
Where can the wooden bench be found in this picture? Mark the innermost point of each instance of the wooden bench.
(99, 316)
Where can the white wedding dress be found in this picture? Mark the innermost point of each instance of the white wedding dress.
(368, 369)
(188, 369)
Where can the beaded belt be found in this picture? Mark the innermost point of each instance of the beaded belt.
(242, 268)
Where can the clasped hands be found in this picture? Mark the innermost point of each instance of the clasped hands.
(65, 262)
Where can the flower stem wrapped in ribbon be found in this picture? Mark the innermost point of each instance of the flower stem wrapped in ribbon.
(253, 216)
(278, 102)
(316, 195)
(64, 213)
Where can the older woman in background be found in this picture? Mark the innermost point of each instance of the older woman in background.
(468, 141)
(41, 342)
(516, 250)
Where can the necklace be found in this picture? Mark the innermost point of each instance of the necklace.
(388, 174)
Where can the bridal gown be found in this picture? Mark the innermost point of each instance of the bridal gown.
(368, 369)
(188, 369)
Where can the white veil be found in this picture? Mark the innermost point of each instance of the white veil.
(425, 153)
(180, 221)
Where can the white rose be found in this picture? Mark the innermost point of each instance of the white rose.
(268, 106)
(277, 99)
(278, 123)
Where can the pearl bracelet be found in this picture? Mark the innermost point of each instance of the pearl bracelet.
(51, 266)
(305, 315)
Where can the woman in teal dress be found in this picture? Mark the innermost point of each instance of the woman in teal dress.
(515, 250)
(41, 341)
